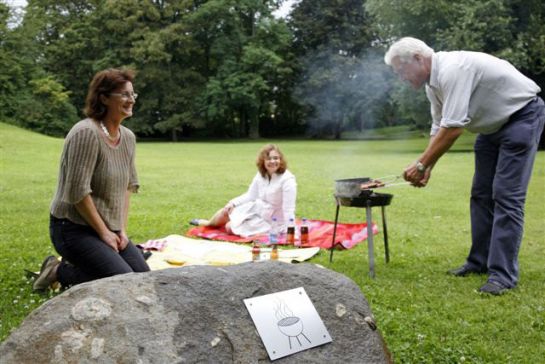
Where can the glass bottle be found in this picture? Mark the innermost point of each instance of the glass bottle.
(304, 232)
(290, 234)
(255, 251)
(274, 252)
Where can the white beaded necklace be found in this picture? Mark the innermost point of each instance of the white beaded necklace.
(107, 132)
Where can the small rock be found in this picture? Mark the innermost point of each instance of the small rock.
(215, 341)
(340, 309)
(91, 309)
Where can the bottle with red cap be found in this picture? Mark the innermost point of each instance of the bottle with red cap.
(290, 234)
(304, 232)
(255, 251)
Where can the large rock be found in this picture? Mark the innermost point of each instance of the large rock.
(191, 314)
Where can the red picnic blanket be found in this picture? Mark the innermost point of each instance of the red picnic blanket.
(320, 234)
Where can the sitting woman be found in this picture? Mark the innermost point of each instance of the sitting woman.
(271, 194)
(97, 175)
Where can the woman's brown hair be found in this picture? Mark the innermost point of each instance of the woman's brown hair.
(264, 154)
(104, 83)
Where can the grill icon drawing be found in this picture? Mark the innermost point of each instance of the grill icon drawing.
(288, 324)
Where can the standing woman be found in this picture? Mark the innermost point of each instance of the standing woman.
(272, 193)
(97, 175)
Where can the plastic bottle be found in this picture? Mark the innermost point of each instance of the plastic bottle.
(273, 233)
(304, 232)
(290, 234)
(273, 239)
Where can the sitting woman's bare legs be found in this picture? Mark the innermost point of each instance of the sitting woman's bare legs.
(228, 227)
(220, 218)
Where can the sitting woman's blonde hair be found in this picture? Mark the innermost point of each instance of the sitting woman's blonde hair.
(264, 154)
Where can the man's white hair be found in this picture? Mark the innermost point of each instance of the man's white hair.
(405, 49)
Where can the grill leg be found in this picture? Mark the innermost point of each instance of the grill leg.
(334, 234)
(370, 240)
(386, 250)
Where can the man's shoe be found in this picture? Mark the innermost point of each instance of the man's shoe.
(493, 288)
(48, 274)
(30, 274)
(195, 222)
(464, 270)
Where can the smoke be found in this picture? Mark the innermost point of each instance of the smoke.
(281, 310)
(344, 92)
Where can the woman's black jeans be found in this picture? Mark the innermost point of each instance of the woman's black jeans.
(85, 257)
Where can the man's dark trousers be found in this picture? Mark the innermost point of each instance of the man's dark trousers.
(503, 166)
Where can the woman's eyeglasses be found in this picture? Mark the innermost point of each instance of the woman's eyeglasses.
(125, 95)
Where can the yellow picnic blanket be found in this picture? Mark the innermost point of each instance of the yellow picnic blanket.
(182, 251)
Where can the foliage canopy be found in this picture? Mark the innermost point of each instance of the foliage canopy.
(231, 68)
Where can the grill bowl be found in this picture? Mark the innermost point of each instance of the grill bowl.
(351, 187)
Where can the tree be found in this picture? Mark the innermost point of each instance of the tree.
(510, 29)
(49, 110)
(11, 72)
(68, 39)
(244, 48)
(29, 96)
(339, 77)
(160, 45)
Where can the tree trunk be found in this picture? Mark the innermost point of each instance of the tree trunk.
(253, 126)
(242, 126)
(337, 131)
(338, 126)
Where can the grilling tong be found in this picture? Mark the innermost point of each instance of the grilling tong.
(383, 182)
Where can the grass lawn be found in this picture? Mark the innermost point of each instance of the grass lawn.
(424, 315)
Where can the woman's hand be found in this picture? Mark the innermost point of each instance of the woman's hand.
(111, 239)
(123, 240)
(228, 208)
(88, 211)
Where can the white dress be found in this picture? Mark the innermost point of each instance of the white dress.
(265, 199)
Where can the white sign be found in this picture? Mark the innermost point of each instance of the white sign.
(287, 322)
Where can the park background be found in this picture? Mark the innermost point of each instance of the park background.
(240, 69)
(217, 80)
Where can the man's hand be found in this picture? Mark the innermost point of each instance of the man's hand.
(438, 145)
(417, 178)
(424, 181)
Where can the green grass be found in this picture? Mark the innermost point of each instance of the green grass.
(424, 315)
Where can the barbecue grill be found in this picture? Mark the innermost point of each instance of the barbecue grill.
(348, 193)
